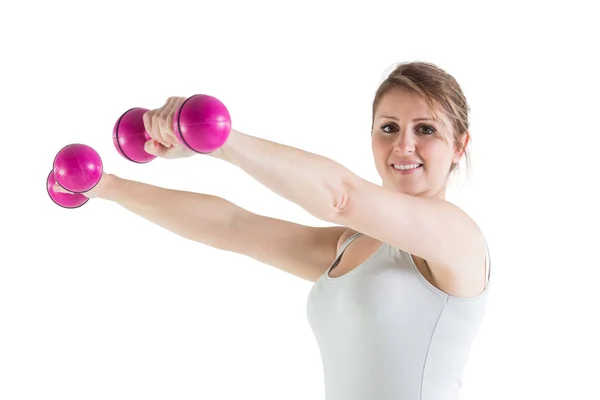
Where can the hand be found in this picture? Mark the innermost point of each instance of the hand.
(159, 125)
(95, 192)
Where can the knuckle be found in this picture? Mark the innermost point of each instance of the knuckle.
(162, 112)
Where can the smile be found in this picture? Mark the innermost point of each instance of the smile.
(407, 167)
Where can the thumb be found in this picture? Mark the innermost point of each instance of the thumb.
(154, 148)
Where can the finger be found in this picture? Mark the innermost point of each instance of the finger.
(148, 118)
(158, 125)
(161, 121)
(155, 148)
(56, 188)
(156, 135)
(59, 189)
(170, 115)
(166, 121)
(174, 103)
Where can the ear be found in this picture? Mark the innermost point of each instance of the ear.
(461, 146)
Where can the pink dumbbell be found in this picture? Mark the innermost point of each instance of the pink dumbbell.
(202, 123)
(76, 168)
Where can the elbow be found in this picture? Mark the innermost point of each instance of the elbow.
(334, 210)
(339, 207)
(339, 204)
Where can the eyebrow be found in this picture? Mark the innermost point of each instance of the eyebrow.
(396, 119)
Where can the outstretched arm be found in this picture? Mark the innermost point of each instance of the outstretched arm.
(432, 229)
(311, 181)
(300, 250)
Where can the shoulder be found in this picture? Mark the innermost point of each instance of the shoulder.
(466, 275)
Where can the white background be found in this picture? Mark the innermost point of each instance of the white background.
(97, 303)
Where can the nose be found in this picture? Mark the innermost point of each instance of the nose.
(405, 143)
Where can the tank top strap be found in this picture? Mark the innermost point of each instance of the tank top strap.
(347, 243)
(341, 251)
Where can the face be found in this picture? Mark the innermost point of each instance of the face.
(413, 153)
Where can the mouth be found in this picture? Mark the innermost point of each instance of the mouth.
(407, 168)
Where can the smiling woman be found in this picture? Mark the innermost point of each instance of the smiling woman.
(400, 279)
(396, 312)
(420, 109)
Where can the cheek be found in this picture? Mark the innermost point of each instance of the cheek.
(379, 148)
(438, 155)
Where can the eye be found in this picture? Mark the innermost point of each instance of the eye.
(389, 128)
(426, 129)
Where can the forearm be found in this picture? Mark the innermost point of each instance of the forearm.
(195, 216)
(315, 183)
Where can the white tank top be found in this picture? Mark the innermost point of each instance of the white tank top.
(385, 333)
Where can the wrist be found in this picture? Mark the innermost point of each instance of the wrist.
(225, 151)
(107, 187)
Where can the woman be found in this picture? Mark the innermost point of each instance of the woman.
(400, 278)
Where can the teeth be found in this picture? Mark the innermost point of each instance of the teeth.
(406, 167)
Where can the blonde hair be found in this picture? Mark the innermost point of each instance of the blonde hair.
(439, 89)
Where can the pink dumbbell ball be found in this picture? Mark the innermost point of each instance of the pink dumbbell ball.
(202, 123)
(129, 136)
(77, 168)
(65, 200)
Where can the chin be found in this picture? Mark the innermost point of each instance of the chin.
(410, 189)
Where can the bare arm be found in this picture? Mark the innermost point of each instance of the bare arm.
(432, 229)
(303, 251)
(300, 250)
